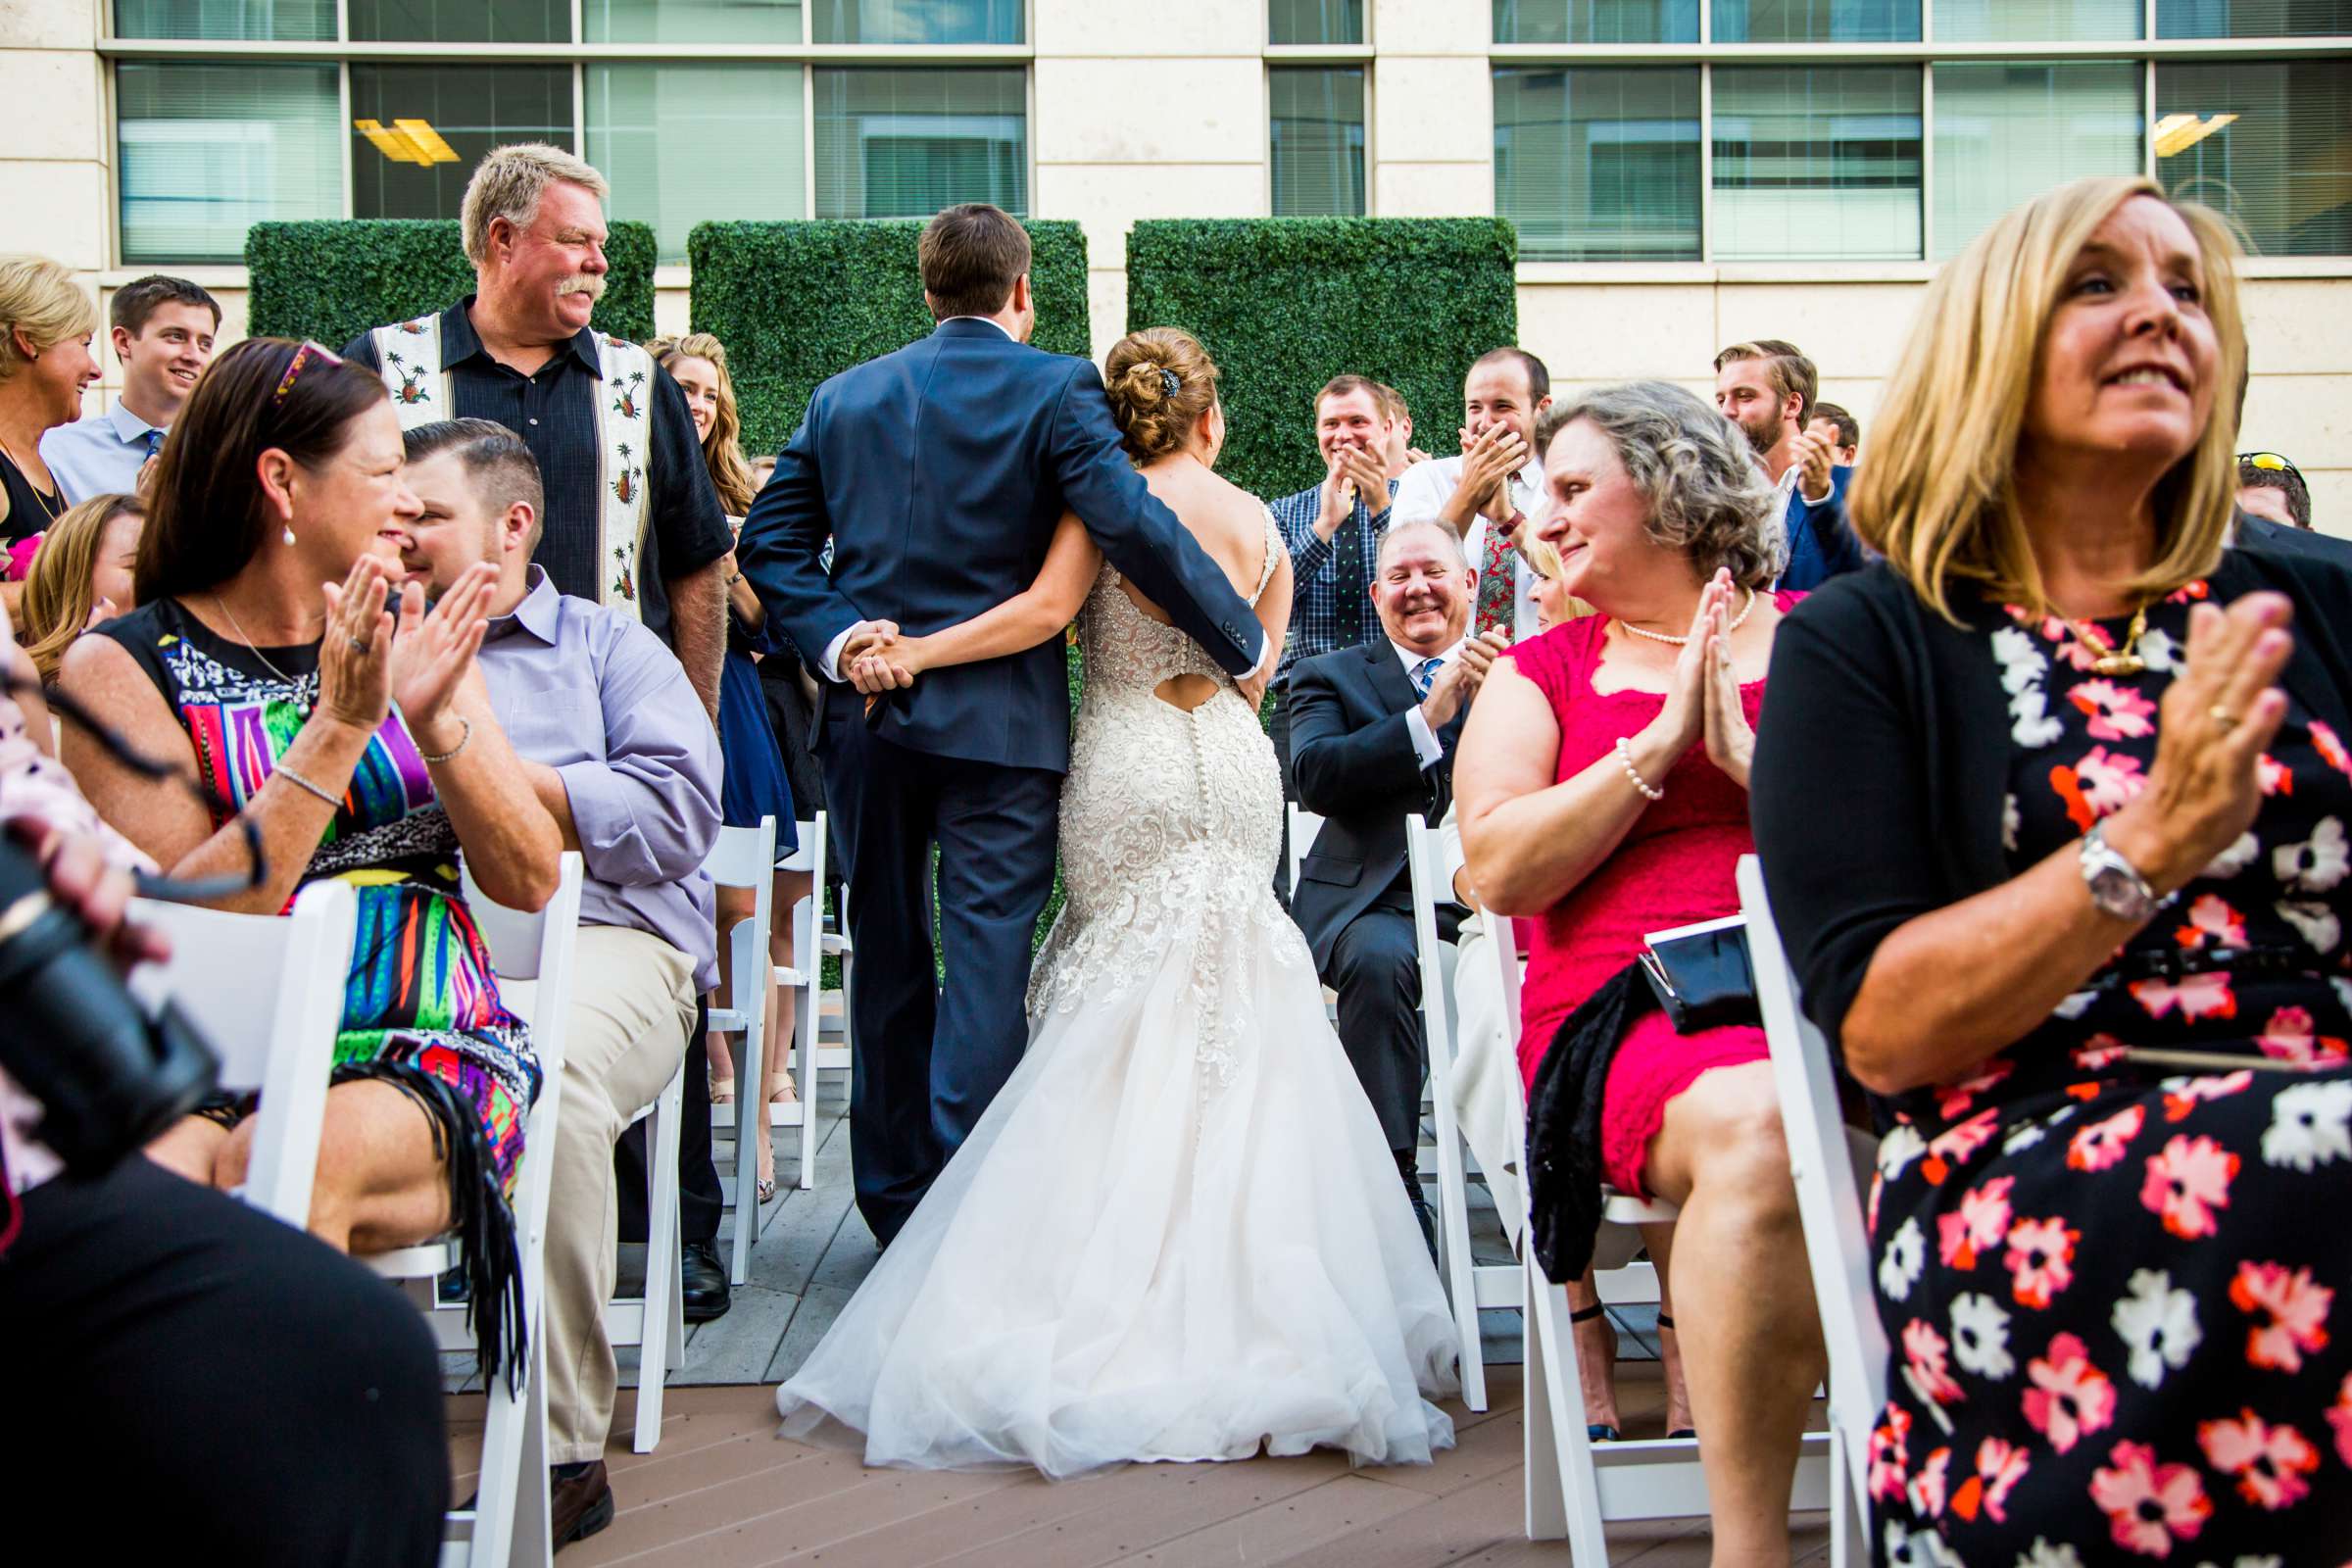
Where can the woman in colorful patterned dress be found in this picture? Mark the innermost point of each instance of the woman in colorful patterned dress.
(354, 732)
(2054, 814)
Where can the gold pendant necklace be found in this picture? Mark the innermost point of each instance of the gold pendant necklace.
(2112, 659)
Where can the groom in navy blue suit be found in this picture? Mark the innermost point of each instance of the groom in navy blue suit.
(939, 472)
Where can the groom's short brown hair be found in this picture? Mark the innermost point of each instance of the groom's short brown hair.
(970, 257)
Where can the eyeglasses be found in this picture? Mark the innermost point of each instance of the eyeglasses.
(2270, 461)
(302, 355)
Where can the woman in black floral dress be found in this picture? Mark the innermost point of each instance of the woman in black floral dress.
(2070, 885)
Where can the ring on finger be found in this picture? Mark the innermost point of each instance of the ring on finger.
(359, 645)
(2223, 719)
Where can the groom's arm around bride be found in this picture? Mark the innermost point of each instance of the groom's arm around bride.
(940, 472)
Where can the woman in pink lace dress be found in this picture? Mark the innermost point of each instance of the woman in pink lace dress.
(1602, 786)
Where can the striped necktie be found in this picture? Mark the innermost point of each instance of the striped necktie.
(1425, 674)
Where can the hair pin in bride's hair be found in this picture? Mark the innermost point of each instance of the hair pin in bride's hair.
(1167, 379)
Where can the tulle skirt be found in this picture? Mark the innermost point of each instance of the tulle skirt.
(1177, 1234)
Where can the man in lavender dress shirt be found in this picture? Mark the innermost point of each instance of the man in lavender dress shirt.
(619, 748)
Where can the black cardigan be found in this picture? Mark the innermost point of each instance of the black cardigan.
(1882, 766)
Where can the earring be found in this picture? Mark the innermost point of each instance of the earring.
(287, 534)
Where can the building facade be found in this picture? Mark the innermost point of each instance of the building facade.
(1683, 173)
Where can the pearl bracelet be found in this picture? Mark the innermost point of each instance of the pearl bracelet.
(1625, 760)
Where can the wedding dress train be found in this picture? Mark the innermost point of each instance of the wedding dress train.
(1178, 1233)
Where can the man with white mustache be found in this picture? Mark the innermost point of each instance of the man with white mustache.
(1373, 730)
(630, 521)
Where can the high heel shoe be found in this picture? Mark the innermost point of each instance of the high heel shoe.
(1666, 1326)
(1594, 1431)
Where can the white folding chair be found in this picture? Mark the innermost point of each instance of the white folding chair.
(813, 942)
(655, 1322)
(220, 962)
(1469, 1285)
(746, 857)
(1303, 826)
(509, 1522)
(1575, 1487)
(1829, 1202)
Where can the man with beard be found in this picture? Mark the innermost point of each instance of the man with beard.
(1768, 389)
(1490, 493)
(631, 519)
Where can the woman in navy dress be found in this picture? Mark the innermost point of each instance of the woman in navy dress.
(756, 784)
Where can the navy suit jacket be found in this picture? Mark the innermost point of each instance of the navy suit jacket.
(1821, 543)
(1352, 762)
(940, 472)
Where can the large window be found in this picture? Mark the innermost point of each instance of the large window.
(685, 143)
(904, 142)
(1317, 145)
(2252, 19)
(691, 22)
(209, 150)
(1817, 162)
(737, 108)
(915, 21)
(1596, 20)
(2269, 143)
(1815, 21)
(462, 21)
(278, 20)
(2017, 21)
(418, 130)
(1600, 164)
(2004, 132)
(1312, 22)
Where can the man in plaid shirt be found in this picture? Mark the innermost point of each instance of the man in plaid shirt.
(1333, 533)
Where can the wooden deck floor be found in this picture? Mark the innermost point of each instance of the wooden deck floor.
(722, 1490)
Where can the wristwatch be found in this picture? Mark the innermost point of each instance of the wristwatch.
(2115, 883)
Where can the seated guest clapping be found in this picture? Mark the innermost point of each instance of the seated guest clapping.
(1604, 790)
(1373, 729)
(80, 576)
(617, 746)
(279, 1405)
(351, 729)
(2051, 811)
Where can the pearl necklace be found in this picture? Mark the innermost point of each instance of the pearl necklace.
(1662, 637)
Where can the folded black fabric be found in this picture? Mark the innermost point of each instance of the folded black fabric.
(1563, 1122)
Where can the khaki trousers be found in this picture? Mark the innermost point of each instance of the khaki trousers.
(632, 1003)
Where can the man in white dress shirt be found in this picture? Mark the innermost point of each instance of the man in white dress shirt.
(1488, 493)
(163, 329)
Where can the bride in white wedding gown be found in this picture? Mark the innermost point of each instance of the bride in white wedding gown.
(1177, 1233)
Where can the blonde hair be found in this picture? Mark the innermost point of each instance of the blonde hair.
(730, 474)
(507, 184)
(1541, 556)
(1160, 382)
(40, 299)
(1938, 496)
(59, 592)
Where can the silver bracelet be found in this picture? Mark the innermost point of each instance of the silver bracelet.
(282, 770)
(1625, 760)
(464, 734)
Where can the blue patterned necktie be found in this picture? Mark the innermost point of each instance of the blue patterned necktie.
(155, 442)
(1425, 674)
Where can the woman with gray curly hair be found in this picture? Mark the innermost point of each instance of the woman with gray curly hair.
(1603, 790)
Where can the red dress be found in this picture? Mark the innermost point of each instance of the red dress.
(1675, 866)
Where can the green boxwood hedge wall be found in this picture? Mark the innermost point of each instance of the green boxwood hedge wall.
(1285, 304)
(798, 302)
(334, 278)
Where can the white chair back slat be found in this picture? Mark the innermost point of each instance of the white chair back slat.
(744, 859)
(1828, 1198)
(1304, 827)
(219, 963)
(1461, 1270)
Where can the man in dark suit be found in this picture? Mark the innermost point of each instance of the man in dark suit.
(1373, 730)
(939, 472)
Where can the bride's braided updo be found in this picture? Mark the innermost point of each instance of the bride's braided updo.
(1160, 382)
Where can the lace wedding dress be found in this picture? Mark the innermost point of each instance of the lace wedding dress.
(1178, 1232)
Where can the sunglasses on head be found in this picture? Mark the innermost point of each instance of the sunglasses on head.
(2269, 460)
(302, 355)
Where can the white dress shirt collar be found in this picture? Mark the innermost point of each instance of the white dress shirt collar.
(990, 320)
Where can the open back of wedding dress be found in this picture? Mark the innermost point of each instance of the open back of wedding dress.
(1178, 1232)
